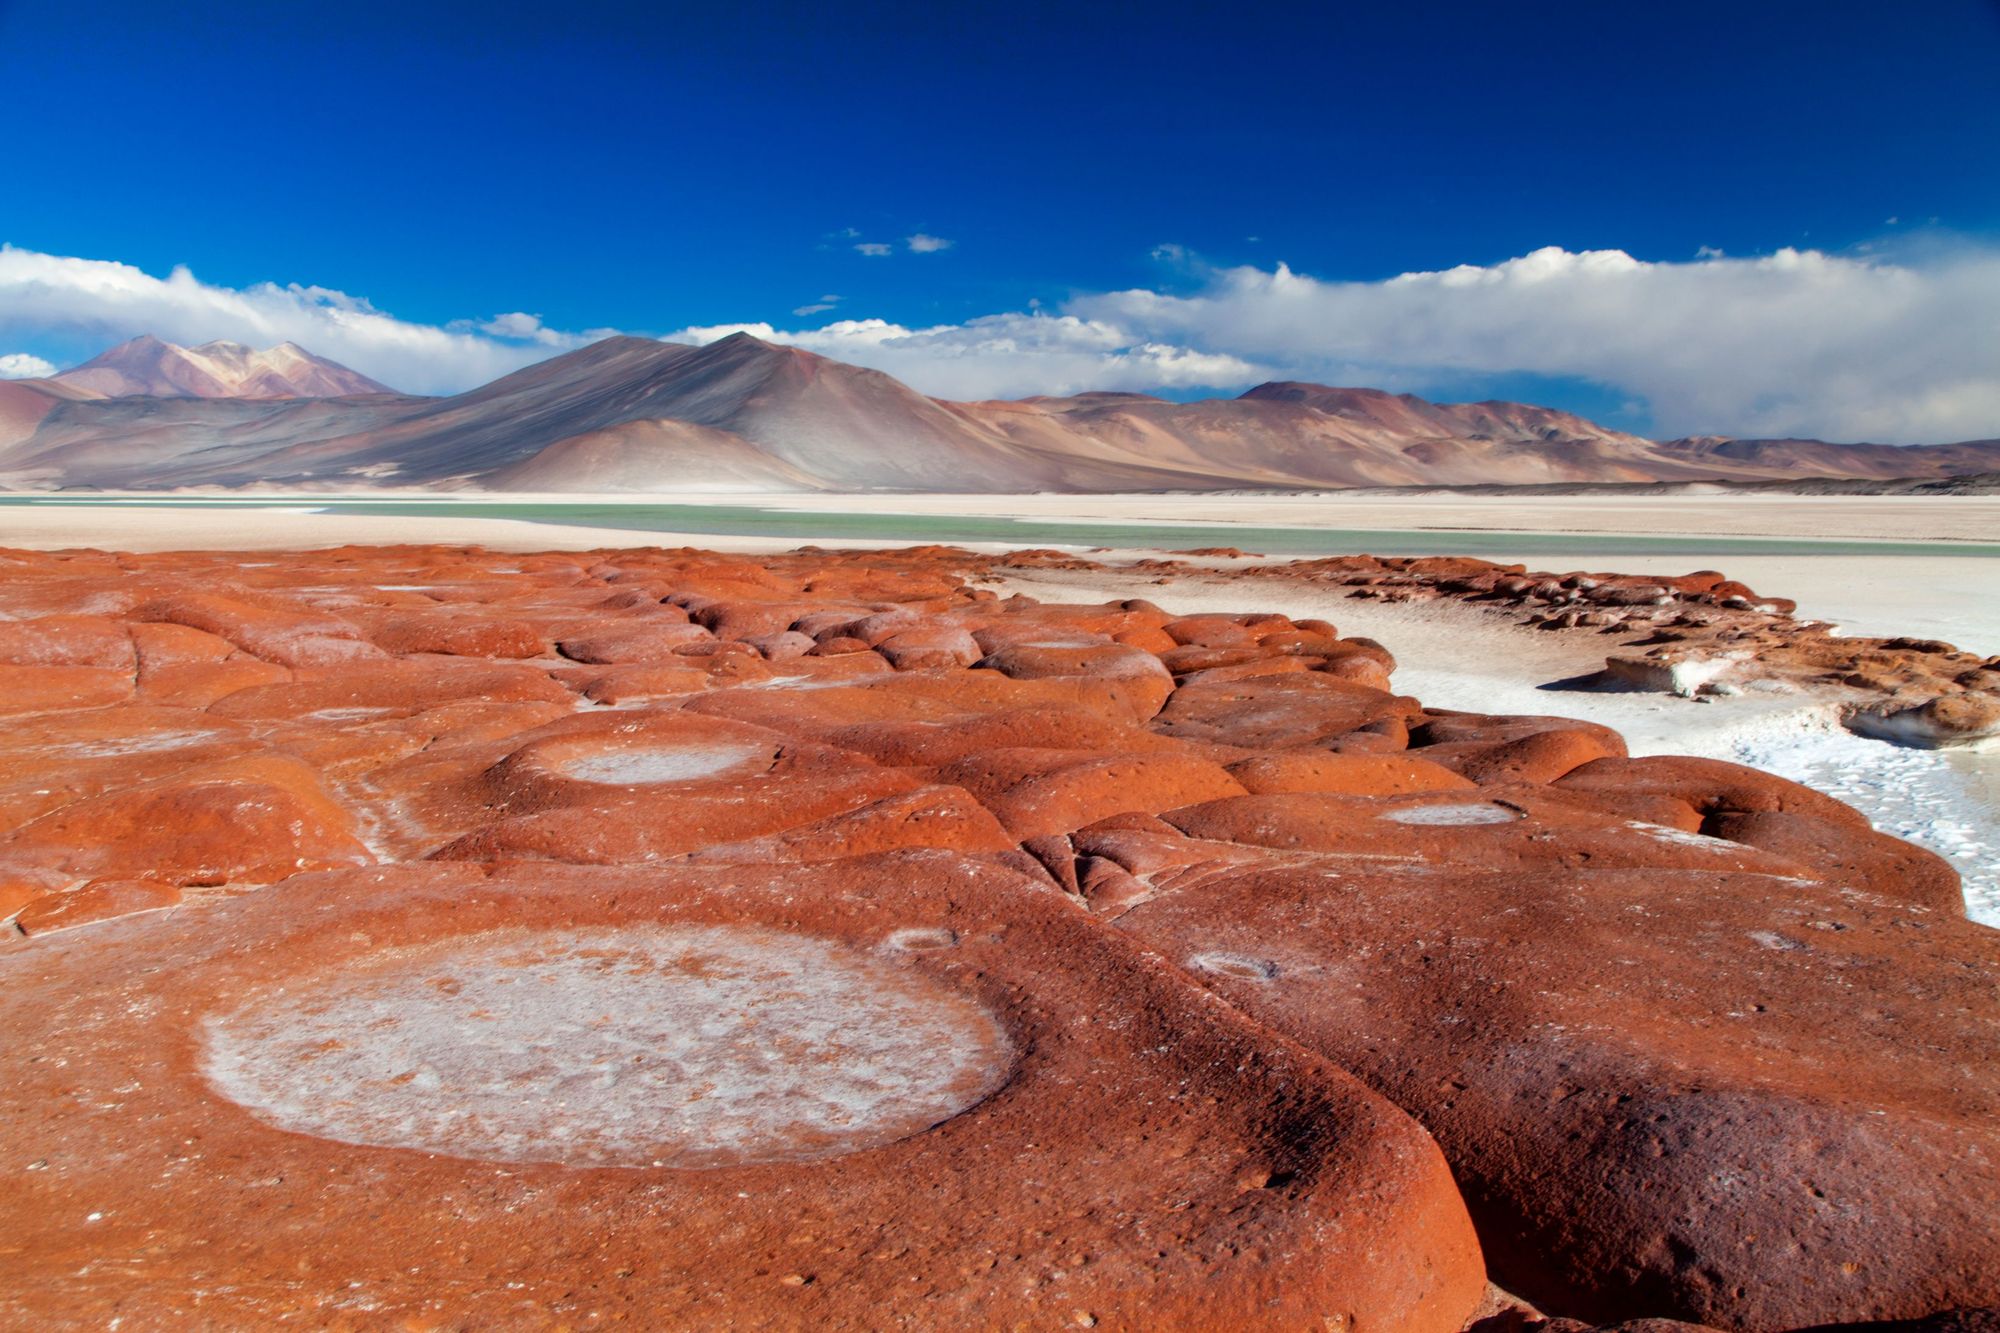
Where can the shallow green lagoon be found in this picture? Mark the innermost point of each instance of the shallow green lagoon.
(808, 526)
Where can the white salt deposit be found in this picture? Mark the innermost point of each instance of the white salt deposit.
(146, 743)
(1235, 965)
(1682, 838)
(1457, 815)
(638, 765)
(1456, 657)
(627, 1046)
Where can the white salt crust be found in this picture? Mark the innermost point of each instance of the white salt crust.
(626, 1046)
(1235, 965)
(645, 765)
(1453, 816)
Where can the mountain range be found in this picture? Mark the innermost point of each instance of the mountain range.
(740, 414)
(148, 367)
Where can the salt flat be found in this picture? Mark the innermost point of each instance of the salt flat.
(1935, 593)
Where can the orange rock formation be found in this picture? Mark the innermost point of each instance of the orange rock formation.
(429, 938)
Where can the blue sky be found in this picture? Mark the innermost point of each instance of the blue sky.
(661, 169)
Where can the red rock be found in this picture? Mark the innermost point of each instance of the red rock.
(86, 641)
(627, 684)
(1147, 681)
(98, 901)
(781, 646)
(1507, 949)
(1276, 712)
(927, 817)
(42, 689)
(1235, 1180)
(200, 684)
(161, 646)
(461, 637)
(51, 760)
(1208, 631)
(1493, 827)
(286, 636)
(1727, 1099)
(742, 620)
(258, 819)
(652, 642)
(1036, 792)
(1945, 719)
(836, 645)
(601, 792)
(1514, 749)
(931, 648)
(1843, 854)
(388, 687)
(1348, 774)
(1711, 786)
(929, 742)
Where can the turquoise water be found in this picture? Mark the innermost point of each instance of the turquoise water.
(808, 526)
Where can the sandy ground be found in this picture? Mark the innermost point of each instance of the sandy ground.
(1974, 518)
(1971, 518)
(1927, 596)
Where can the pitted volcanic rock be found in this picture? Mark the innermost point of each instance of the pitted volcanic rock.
(1750, 1101)
(840, 1096)
(912, 931)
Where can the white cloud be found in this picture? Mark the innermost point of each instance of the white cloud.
(42, 294)
(22, 366)
(1797, 342)
(920, 244)
(1854, 346)
(1005, 356)
(526, 327)
(874, 249)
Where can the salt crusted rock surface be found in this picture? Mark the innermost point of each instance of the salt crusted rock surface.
(429, 938)
(1694, 634)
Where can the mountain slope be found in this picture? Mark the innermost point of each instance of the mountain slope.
(635, 455)
(25, 403)
(1792, 459)
(147, 366)
(741, 414)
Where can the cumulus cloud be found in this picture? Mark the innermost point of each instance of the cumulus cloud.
(1800, 342)
(1005, 356)
(525, 327)
(874, 249)
(920, 244)
(43, 295)
(1797, 342)
(22, 366)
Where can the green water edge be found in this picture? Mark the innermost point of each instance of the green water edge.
(808, 525)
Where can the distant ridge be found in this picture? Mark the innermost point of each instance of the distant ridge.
(740, 414)
(149, 367)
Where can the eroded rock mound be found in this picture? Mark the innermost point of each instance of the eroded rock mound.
(844, 1096)
(1702, 633)
(835, 944)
